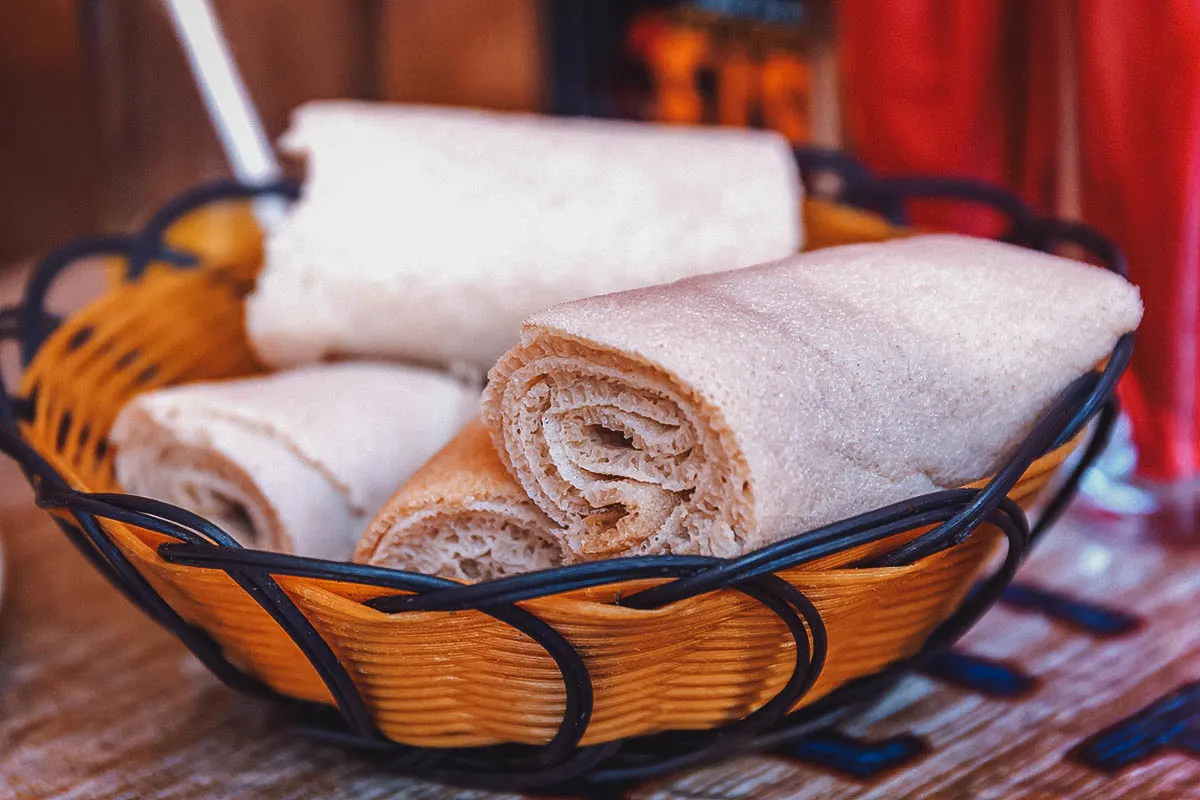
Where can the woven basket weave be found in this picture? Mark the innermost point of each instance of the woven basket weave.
(574, 663)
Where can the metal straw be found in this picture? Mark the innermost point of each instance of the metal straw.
(229, 105)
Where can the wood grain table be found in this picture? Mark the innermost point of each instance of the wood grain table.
(97, 702)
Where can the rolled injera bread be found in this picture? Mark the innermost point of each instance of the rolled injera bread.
(724, 412)
(462, 516)
(295, 461)
(429, 234)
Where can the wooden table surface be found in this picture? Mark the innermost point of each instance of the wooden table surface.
(98, 702)
(1058, 692)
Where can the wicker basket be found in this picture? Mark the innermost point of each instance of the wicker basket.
(602, 672)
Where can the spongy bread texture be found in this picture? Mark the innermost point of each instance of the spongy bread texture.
(723, 412)
(294, 461)
(429, 234)
(462, 516)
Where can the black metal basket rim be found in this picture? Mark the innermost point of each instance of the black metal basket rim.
(194, 535)
(197, 543)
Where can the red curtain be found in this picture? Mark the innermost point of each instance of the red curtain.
(1139, 104)
(926, 92)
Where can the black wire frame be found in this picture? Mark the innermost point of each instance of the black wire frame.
(562, 764)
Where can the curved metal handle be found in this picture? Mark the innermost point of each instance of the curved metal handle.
(34, 321)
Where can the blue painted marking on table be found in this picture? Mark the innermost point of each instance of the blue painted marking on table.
(985, 676)
(853, 757)
(1098, 621)
(1169, 724)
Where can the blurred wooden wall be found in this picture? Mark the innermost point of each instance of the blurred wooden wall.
(49, 168)
(463, 52)
(154, 133)
(99, 120)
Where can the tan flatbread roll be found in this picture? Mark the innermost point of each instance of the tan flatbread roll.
(720, 413)
(461, 516)
(294, 461)
(429, 234)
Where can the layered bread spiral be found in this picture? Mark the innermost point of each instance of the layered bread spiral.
(723, 412)
(461, 516)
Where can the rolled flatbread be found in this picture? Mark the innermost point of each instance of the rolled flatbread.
(462, 516)
(295, 461)
(720, 413)
(429, 234)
